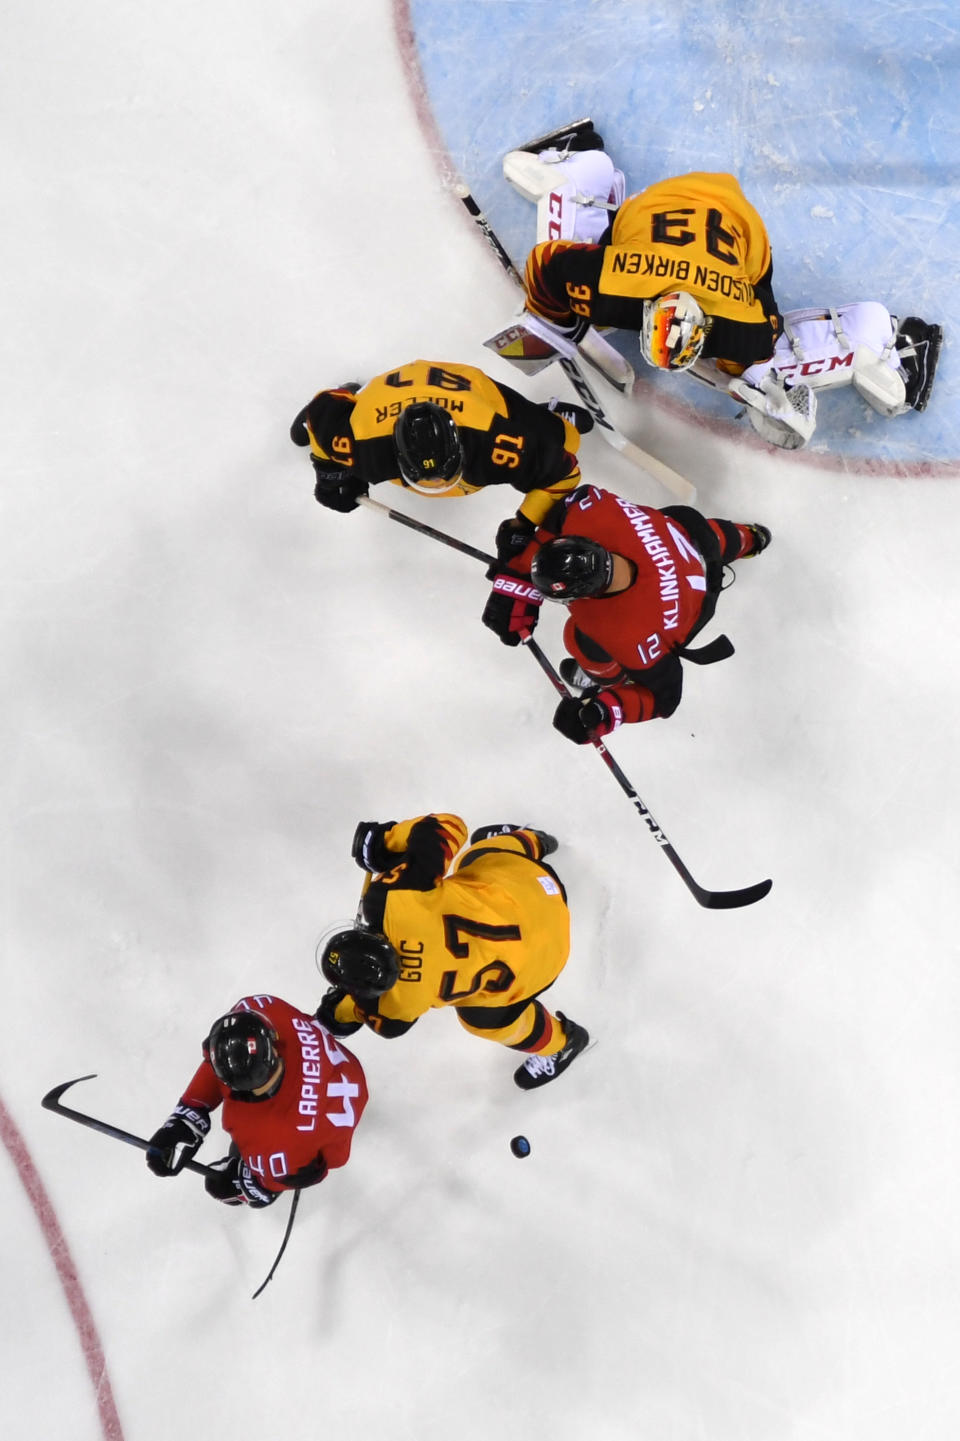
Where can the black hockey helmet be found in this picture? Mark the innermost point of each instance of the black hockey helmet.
(242, 1049)
(429, 453)
(361, 962)
(571, 567)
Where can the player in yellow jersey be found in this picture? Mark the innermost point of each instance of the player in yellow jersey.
(687, 264)
(695, 236)
(486, 937)
(442, 429)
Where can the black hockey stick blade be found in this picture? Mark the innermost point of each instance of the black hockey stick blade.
(712, 900)
(51, 1102)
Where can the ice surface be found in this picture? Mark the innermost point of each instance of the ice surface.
(739, 1218)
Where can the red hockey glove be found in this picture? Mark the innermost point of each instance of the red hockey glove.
(513, 607)
(581, 719)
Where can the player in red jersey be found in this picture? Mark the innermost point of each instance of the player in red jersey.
(640, 583)
(292, 1096)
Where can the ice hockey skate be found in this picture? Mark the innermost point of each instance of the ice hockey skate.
(918, 345)
(578, 135)
(541, 1070)
(548, 843)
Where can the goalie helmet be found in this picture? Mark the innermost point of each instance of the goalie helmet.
(360, 962)
(674, 331)
(429, 453)
(571, 568)
(242, 1049)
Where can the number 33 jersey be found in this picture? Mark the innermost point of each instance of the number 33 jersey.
(496, 930)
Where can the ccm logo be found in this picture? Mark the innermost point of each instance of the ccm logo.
(521, 588)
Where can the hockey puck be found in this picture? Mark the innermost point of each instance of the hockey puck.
(520, 1146)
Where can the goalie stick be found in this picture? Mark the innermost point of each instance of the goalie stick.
(677, 484)
(712, 900)
(52, 1102)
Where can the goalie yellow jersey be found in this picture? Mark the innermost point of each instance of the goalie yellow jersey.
(506, 438)
(495, 931)
(695, 232)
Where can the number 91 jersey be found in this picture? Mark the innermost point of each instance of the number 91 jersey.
(493, 932)
(506, 438)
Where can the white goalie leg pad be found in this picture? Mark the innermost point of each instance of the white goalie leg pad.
(575, 194)
(851, 345)
(784, 418)
(879, 383)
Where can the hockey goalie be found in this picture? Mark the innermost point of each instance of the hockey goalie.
(686, 264)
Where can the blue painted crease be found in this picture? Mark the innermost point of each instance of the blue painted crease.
(841, 121)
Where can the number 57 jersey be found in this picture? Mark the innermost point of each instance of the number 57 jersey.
(493, 932)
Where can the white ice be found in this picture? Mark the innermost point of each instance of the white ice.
(739, 1221)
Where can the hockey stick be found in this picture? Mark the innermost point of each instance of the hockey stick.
(51, 1102)
(419, 525)
(677, 484)
(283, 1245)
(713, 900)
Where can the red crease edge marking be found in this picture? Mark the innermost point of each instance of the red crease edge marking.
(83, 1321)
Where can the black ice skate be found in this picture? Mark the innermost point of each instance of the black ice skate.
(541, 1070)
(548, 843)
(578, 135)
(918, 345)
(575, 676)
(761, 539)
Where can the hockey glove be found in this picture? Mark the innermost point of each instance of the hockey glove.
(308, 1175)
(575, 415)
(335, 489)
(513, 535)
(586, 718)
(178, 1139)
(369, 848)
(512, 608)
(326, 1014)
(426, 855)
(234, 1185)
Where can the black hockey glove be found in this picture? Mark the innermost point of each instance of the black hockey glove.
(308, 1175)
(512, 608)
(326, 1014)
(369, 848)
(335, 489)
(234, 1185)
(513, 535)
(574, 415)
(178, 1139)
(582, 718)
(426, 855)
